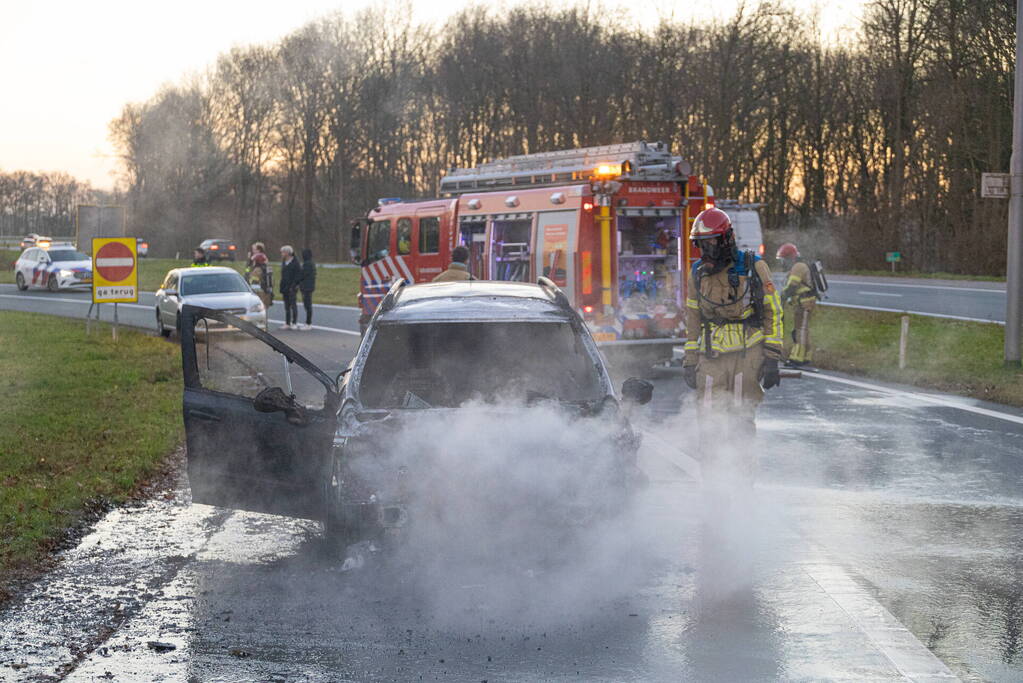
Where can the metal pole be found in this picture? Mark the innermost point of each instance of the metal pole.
(115, 321)
(903, 342)
(1014, 246)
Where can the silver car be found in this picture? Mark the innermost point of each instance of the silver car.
(221, 289)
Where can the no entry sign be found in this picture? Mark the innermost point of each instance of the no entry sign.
(114, 270)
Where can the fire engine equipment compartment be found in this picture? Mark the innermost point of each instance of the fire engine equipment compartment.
(649, 280)
(510, 249)
(444, 364)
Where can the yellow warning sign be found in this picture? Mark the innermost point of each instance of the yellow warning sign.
(115, 275)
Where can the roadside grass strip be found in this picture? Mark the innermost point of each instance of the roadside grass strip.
(952, 356)
(86, 420)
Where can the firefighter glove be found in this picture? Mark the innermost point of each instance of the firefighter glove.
(769, 376)
(689, 375)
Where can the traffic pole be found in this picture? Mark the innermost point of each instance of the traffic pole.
(1014, 245)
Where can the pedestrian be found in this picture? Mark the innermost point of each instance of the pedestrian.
(259, 273)
(307, 285)
(734, 342)
(199, 257)
(801, 293)
(458, 270)
(291, 273)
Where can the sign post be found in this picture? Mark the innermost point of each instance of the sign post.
(893, 257)
(114, 273)
(1014, 245)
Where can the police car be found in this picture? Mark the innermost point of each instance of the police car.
(56, 266)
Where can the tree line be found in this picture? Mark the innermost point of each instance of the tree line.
(43, 203)
(870, 144)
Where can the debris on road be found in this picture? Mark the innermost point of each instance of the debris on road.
(158, 646)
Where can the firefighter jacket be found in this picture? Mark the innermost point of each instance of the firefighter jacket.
(799, 287)
(722, 315)
(456, 271)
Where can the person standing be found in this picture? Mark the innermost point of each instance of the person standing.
(734, 342)
(258, 273)
(291, 274)
(307, 285)
(801, 293)
(458, 270)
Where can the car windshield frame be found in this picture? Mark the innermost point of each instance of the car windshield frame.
(78, 256)
(224, 276)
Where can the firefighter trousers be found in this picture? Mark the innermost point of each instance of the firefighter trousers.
(801, 351)
(728, 393)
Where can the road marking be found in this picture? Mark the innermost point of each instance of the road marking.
(923, 398)
(899, 284)
(903, 310)
(325, 329)
(879, 294)
(897, 643)
(676, 456)
(61, 300)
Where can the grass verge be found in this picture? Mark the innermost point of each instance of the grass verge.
(335, 286)
(948, 355)
(85, 422)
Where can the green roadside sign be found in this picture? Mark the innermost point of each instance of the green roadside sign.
(892, 256)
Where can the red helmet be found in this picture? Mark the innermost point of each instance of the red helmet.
(787, 250)
(710, 223)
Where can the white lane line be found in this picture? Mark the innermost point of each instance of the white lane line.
(923, 398)
(64, 301)
(676, 456)
(903, 310)
(879, 294)
(325, 329)
(899, 284)
(897, 643)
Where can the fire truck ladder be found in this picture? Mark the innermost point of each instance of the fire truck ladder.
(639, 161)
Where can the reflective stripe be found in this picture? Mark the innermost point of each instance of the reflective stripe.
(776, 334)
(693, 304)
(730, 337)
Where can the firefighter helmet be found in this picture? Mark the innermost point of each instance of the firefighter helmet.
(787, 251)
(710, 223)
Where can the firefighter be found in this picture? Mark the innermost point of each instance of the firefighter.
(458, 270)
(800, 292)
(734, 342)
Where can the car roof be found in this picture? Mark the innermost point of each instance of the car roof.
(200, 270)
(475, 301)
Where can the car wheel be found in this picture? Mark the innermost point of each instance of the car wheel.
(164, 332)
(19, 280)
(52, 284)
(337, 534)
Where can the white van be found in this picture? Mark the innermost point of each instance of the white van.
(746, 223)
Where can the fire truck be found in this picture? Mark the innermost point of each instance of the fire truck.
(608, 224)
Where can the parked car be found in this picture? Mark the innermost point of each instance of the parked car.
(219, 250)
(270, 431)
(141, 247)
(217, 288)
(56, 266)
(746, 222)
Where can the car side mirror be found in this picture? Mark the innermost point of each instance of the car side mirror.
(170, 292)
(256, 289)
(638, 391)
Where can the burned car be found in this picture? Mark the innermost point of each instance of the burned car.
(270, 431)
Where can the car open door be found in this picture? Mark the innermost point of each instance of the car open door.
(259, 417)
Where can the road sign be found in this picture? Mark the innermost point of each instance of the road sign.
(892, 256)
(994, 185)
(114, 270)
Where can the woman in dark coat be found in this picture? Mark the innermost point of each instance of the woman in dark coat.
(306, 285)
(291, 274)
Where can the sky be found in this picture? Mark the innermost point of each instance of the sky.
(69, 66)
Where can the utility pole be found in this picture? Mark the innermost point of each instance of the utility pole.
(1014, 250)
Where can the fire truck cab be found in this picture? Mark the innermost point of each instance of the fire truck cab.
(609, 225)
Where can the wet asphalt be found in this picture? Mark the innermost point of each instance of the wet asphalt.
(882, 543)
